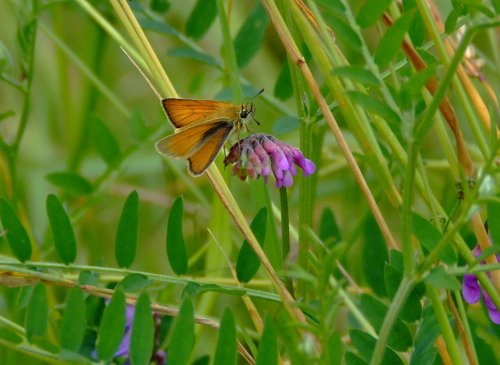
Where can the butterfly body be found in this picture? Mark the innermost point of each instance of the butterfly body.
(202, 128)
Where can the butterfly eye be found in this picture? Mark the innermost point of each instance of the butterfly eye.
(243, 113)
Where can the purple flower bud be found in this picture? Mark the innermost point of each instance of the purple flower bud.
(287, 179)
(254, 159)
(261, 152)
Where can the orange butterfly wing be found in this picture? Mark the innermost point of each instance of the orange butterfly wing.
(199, 143)
(184, 112)
(214, 140)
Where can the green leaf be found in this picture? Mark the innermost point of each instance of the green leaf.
(248, 263)
(159, 27)
(9, 335)
(112, 327)
(345, 34)
(23, 299)
(357, 73)
(374, 257)
(268, 345)
(14, 232)
(400, 338)
(365, 344)
(62, 231)
(329, 231)
(176, 248)
(496, 5)
(335, 349)
(133, 282)
(105, 142)
(413, 87)
(371, 11)
(283, 87)
(429, 236)
(417, 29)
(451, 20)
(493, 209)
(375, 106)
(425, 340)
(182, 342)
(251, 35)
(159, 6)
(191, 54)
(441, 279)
(37, 315)
(225, 353)
(71, 183)
(72, 328)
(201, 18)
(486, 353)
(392, 39)
(142, 337)
(353, 359)
(126, 234)
(5, 59)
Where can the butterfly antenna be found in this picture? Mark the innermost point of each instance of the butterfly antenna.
(260, 92)
(144, 75)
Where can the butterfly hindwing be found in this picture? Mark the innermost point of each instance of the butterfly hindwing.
(199, 143)
(214, 139)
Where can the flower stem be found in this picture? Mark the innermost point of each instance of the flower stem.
(285, 233)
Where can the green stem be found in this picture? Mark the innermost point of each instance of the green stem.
(450, 77)
(231, 65)
(406, 211)
(27, 94)
(444, 324)
(305, 131)
(397, 302)
(285, 232)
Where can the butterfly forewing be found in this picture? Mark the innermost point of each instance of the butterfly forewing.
(213, 140)
(185, 112)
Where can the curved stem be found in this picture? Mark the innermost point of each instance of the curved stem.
(392, 314)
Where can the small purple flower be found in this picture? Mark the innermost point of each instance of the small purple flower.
(124, 347)
(260, 154)
(471, 291)
(123, 351)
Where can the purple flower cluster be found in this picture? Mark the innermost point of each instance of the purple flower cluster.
(471, 292)
(260, 154)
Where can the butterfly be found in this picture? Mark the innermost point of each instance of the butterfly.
(202, 128)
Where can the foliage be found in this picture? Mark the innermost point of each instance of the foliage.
(111, 253)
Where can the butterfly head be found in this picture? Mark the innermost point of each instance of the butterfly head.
(247, 111)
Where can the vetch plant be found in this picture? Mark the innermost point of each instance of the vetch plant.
(361, 256)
